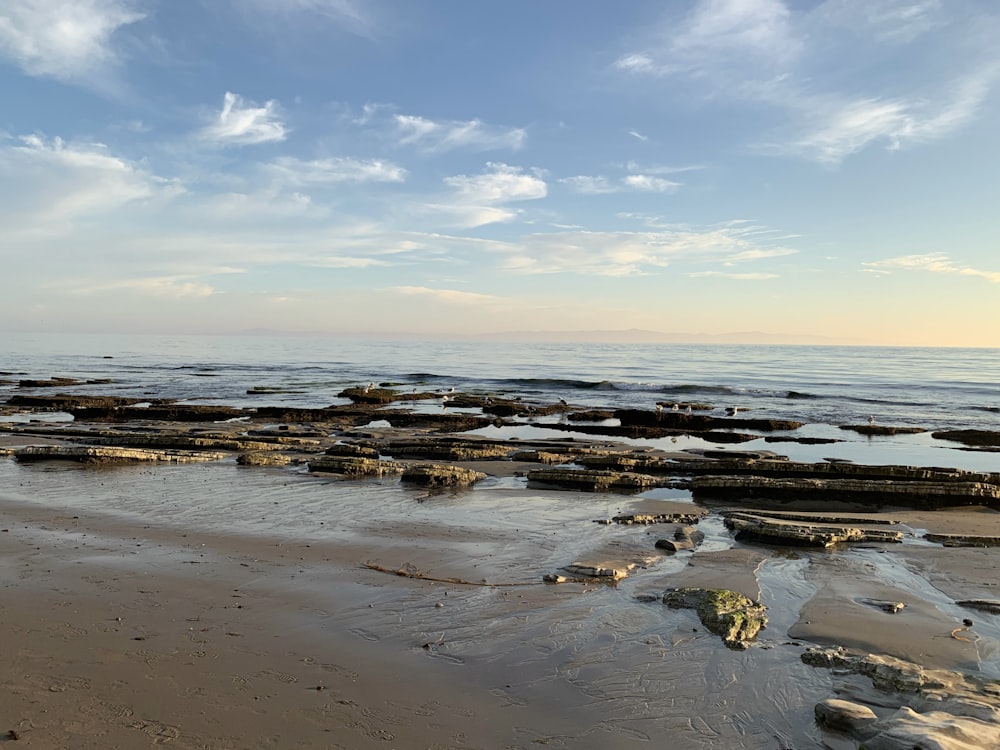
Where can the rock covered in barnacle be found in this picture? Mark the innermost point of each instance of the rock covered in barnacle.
(729, 614)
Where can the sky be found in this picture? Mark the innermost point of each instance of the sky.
(818, 171)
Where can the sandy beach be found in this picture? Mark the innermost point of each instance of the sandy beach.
(212, 605)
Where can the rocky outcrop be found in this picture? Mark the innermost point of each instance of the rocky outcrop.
(447, 448)
(699, 422)
(91, 454)
(984, 605)
(683, 538)
(158, 413)
(874, 492)
(934, 708)
(352, 449)
(645, 519)
(758, 528)
(963, 540)
(978, 438)
(264, 459)
(369, 395)
(59, 382)
(192, 442)
(734, 617)
(355, 466)
(595, 481)
(439, 475)
(61, 401)
(882, 429)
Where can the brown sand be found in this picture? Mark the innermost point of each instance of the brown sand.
(120, 632)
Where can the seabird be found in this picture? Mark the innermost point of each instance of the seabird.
(871, 420)
(675, 407)
(659, 408)
(731, 411)
(563, 402)
(688, 410)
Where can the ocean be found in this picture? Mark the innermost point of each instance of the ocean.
(822, 386)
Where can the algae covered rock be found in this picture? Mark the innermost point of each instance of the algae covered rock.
(726, 613)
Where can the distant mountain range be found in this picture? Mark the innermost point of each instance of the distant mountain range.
(629, 336)
(639, 336)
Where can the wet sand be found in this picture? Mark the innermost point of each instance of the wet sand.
(217, 606)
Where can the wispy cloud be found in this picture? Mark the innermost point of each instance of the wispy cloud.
(719, 34)
(599, 185)
(638, 136)
(345, 13)
(70, 40)
(888, 20)
(46, 184)
(243, 124)
(155, 286)
(450, 296)
(931, 263)
(737, 276)
(292, 171)
(434, 135)
(483, 199)
(763, 52)
(834, 129)
(630, 253)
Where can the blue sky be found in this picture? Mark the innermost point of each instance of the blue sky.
(819, 170)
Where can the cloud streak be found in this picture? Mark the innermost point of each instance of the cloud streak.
(761, 51)
(436, 136)
(929, 263)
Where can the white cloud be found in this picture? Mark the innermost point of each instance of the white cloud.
(813, 67)
(291, 171)
(504, 183)
(444, 136)
(737, 276)
(47, 183)
(651, 184)
(345, 13)
(638, 136)
(835, 128)
(930, 262)
(71, 40)
(154, 286)
(481, 199)
(598, 185)
(719, 34)
(241, 124)
(628, 253)
(590, 185)
(888, 20)
(450, 296)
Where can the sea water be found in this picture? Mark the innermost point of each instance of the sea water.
(824, 387)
